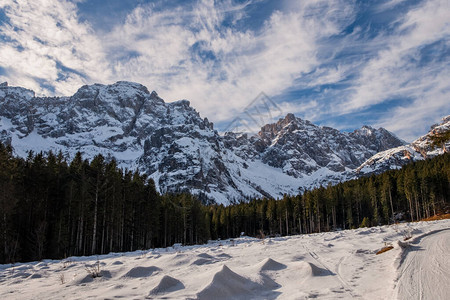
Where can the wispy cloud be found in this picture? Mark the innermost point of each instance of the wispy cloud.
(183, 52)
(414, 65)
(317, 58)
(47, 47)
(190, 54)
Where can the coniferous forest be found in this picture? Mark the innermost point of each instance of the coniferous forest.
(53, 208)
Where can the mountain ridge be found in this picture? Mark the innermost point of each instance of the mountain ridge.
(181, 151)
(395, 158)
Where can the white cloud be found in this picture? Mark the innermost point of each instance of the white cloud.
(157, 48)
(394, 72)
(45, 35)
(398, 72)
(187, 52)
(389, 5)
(245, 62)
(415, 119)
(330, 75)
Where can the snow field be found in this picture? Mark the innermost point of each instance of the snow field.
(332, 265)
(424, 267)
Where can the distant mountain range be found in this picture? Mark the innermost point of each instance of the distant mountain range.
(182, 152)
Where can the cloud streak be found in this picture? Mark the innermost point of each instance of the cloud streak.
(212, 66)
(324, 60)
(413, 65)
(44, 42)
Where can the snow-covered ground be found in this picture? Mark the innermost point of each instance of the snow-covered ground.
(333, 265)
(424, 271)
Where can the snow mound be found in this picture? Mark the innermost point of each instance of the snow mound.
(166, 285)
(224, 256)
(42, 264)
(317, 271)
(203, 261)
(180, 259)
(138, 272)
(271, 265)
(85, 279)
(308, 269)
(35, 275)
(21, 275)
(227, 284)
(363, 251)
(205, 255)
(88, 278)
(23, 268)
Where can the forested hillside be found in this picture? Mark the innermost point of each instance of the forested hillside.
(52, 208)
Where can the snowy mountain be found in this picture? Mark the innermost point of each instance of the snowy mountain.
(181, 151)
(395, 158)
(301, 148)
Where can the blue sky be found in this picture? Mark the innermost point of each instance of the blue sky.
(336, 63)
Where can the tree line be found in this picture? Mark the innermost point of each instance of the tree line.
(53, 208)
(419, 190)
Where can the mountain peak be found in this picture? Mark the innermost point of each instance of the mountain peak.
(182, 103)
(124, 89)
(289, 117)
(131, 85)
(154, 95)
(15, 92)
(365, 130)
(446, 119)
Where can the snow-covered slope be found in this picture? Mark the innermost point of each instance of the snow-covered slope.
(332, 265)
(420, 149)
(180, 150)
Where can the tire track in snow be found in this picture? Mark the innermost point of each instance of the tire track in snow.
(425, 270)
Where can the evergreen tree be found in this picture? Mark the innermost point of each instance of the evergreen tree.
(50, 208)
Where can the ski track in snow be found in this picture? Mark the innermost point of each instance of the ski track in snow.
(425, 270)
(330, 265)
(345, 286)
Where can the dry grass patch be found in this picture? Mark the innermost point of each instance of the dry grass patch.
(437, 217)
(385, 249)
(94, 270)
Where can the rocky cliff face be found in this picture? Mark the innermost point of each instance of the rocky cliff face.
(301, 148)
(397, 157)
(180, 150)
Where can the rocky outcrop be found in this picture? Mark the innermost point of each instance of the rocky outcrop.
(395, 158)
